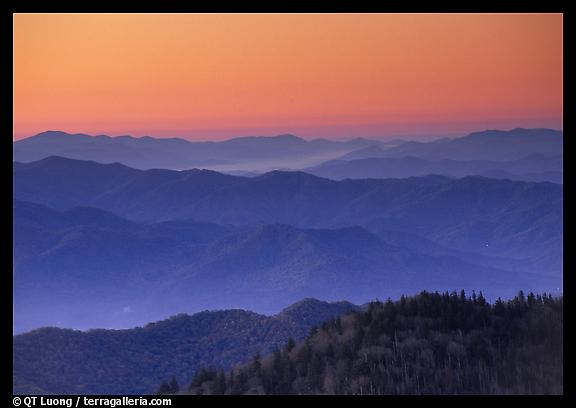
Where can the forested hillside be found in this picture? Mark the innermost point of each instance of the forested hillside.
(429, 344)
(133, 361)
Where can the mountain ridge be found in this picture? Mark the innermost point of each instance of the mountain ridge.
(496, 145)
(413, 204)
(535, 167)
(263, 153)
(148, 152)
(92, 262)
(134, 361)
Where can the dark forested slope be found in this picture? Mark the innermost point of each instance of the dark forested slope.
(428, 344)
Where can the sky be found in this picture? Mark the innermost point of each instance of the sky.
(217, 76)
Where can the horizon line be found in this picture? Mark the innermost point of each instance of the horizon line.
(392, 136)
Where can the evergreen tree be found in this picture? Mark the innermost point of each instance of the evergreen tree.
(290, 344)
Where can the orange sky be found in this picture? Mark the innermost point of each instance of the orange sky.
(214, 76)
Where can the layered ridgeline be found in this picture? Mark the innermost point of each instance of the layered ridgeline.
(518, 154)
(494, 217)
(429, 344)
(243, 153)
(135, 361)
(112, 246)
(147, 244)
(88, 268)
(84, 267)
(535, 167)
(494, 145)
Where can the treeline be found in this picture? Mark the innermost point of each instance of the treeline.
(428, 344)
